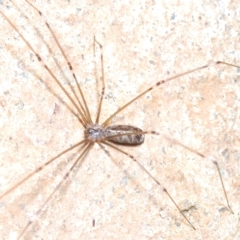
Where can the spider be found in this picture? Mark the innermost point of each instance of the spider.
(80, 109)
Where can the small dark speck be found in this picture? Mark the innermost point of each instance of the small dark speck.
(163, 150)
(225, 153)
(152, 62)
(173, 16)
(56, 109)
(177, 224)
(223, 209)
(93, 222)
(20, 105)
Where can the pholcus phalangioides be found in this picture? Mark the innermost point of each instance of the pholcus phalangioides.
(32, 201)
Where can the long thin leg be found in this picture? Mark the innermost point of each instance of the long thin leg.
(107, 121)
(103, 83)
(39, 169)
(83, 120)
(65, 177)
(54, 59)
(223, 187)
(213, 161)
(85, 107)
(182, 145)
(152, 177)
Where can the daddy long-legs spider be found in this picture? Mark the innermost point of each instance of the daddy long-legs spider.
(201, 121)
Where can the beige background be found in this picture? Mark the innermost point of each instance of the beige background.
(144, 41)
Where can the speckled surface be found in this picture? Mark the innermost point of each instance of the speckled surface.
(143, 42)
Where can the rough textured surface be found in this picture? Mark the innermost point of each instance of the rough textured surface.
(144, 42)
